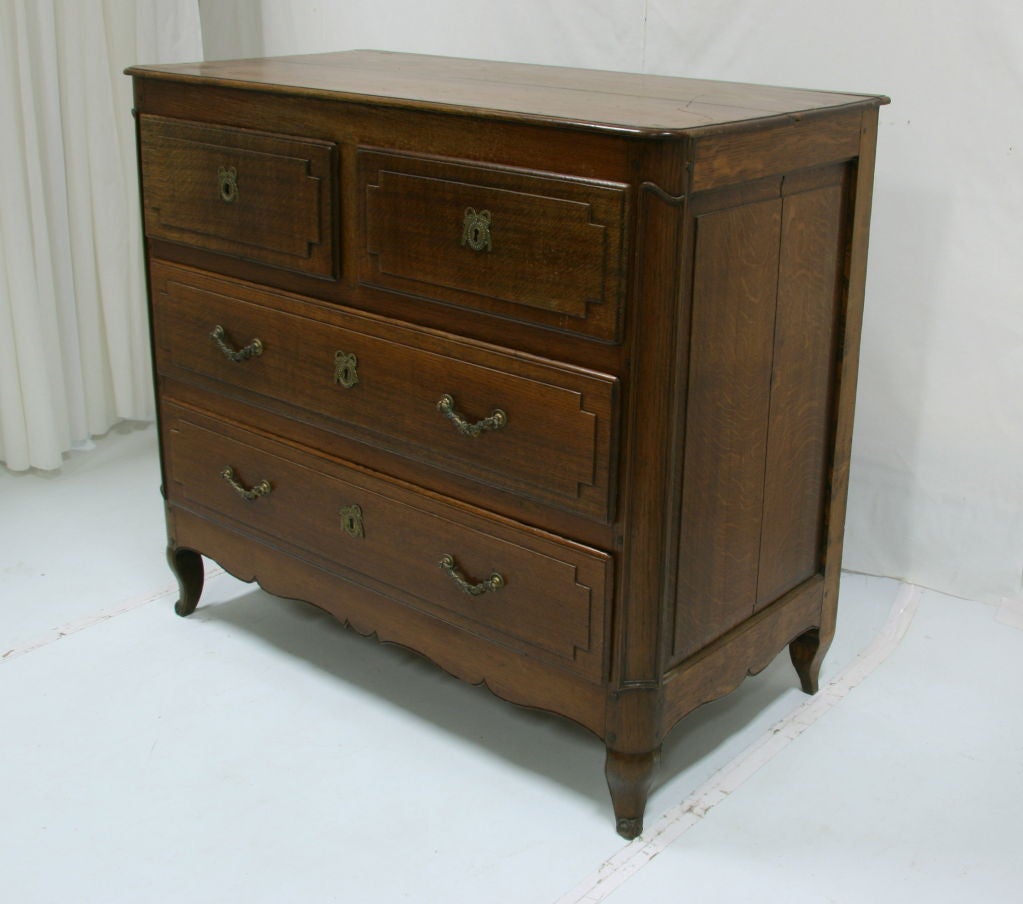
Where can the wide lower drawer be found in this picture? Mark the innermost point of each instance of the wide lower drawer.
(258, 196)
(534, 427)
(535, 247)
(511, 584)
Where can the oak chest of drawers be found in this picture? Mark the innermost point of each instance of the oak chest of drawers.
(545, 374)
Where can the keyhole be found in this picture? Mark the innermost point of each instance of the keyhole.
(228, 183)
(346, 372)
(351, 521)
(476, 229)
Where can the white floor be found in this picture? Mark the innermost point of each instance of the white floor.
(258, 752)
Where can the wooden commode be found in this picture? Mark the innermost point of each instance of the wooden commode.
(546, 374)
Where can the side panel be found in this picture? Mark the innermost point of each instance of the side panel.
(795, 476)
(759, 436)
(731, 346)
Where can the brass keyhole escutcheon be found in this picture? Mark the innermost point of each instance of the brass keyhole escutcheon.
(351, 521)
(228, 177)
(346, 369)
(476, 230)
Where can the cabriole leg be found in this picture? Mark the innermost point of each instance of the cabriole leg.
(807, 652)
(629, 776)
(187, 567)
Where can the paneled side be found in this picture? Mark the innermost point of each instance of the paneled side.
(731, 347)
(799, 439)
(732, 157)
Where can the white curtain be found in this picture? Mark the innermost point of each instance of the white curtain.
(73, 335)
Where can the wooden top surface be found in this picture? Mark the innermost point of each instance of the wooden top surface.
(585, 98)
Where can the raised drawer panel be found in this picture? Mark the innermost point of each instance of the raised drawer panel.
(551, 597)
(382, 382)
(212, 187)
(536, 248)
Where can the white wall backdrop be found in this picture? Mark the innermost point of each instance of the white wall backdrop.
(937, 481)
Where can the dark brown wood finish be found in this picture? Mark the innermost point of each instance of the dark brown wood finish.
(734, 291)
(629, 778)
(550, 601)
(553, 250)
(211, 187)
(554, 445)
(622, 102)
(795, 474)
(287, 571)
(808, 654)
(642, 297)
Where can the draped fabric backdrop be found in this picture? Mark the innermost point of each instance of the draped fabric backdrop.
(74, 354)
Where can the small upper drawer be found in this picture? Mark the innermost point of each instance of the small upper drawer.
(537, 248)
(260, 197)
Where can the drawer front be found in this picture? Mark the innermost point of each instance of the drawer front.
(261, 197)
(524, 424)
(531, 247)
(513, 585)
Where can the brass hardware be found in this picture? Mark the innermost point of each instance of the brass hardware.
(253, 350)
(346, 369)
(476, 230)
(658, 192)
(228, 180)
(496, 421)
(351, 520)
(494, 583)
(262, 488)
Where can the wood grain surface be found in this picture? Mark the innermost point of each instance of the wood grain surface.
(664, 302)
(610, 100)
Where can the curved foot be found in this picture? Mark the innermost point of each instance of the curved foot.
(629, 828)
(187, 567)
(629, 776)
(807, 653)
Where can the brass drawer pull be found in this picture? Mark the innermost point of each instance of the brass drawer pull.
(496, 421)
(476, 230)
(253, 350)
(494, 583)
(227, 177)
(262, 488)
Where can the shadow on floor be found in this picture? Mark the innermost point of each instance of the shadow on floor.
(533, 740)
